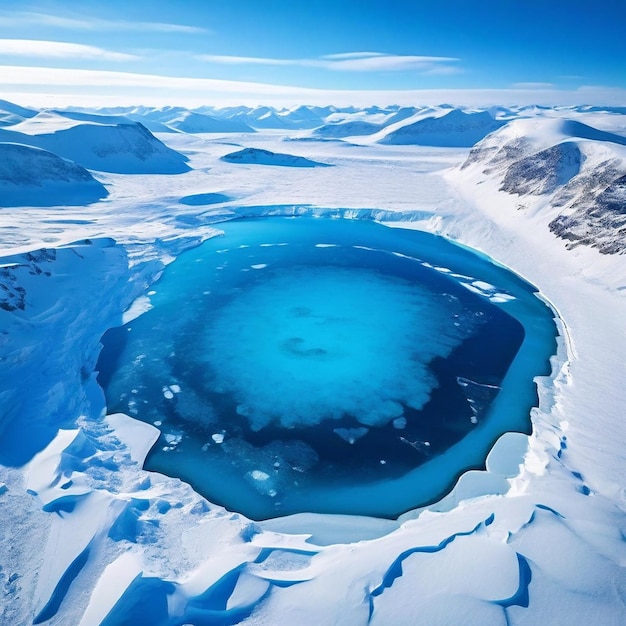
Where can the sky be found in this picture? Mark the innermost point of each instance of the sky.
(286, 52)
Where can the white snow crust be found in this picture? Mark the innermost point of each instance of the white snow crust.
(537, 537)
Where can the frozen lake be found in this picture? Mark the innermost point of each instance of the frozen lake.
(328, 365)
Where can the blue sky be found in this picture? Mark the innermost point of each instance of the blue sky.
(339, 51)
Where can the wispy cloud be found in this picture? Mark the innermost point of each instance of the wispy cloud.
(31, 18)
(42, 85)
(33, 48)
(533, 86)
(349, 61)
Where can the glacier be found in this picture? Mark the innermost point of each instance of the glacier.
(90, 537)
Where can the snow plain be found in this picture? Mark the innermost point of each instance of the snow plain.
(88, 537)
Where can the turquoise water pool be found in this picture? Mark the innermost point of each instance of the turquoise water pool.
(300, 364)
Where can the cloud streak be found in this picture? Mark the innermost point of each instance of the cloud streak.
(32, 18)
(58, 50)
(348, 61)
(533, 86)
(42, 85)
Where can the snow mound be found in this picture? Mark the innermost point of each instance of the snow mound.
(36, 177)
(127, 148)
(346, 129)
(257, 156)
(573, 172)
(455, 129)
(190, 122)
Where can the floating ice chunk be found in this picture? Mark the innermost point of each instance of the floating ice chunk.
(481, 284)
(217, 437)
(501, 297)
(325, 245)
(258, 266)
(172, 439)
(406, 256)
(399, 422)
(351, 434)
(259, 475)
(152, 293)
(167, 393)
(471, 288)
(420, 446)
(175, 388)
(157, 422)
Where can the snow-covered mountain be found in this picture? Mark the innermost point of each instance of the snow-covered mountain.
(36, 177)
(455, 128)
(567, 169)
(127, 148)
(14, 113)
(190, 122)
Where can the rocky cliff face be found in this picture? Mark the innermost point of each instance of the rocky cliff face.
(579, 170)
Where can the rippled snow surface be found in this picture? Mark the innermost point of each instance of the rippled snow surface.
(328, 365)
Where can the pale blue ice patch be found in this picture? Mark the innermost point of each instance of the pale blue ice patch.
(316, 343)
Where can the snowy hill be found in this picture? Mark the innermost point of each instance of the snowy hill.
(453, 129)
(257, 156)
(125, 148)
(573, 172)
(34, 177)
(346, 129)
(13, 113)
(190, 122)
